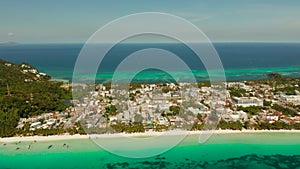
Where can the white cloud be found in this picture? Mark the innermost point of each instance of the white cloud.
(11, 34)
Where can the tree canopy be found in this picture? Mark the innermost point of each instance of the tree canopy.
(25, 92)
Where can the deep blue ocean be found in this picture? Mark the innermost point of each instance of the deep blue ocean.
(241, 61)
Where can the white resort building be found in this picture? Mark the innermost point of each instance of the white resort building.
(248, 101)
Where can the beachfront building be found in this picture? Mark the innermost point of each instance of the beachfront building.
(247, 101)
(230, 115)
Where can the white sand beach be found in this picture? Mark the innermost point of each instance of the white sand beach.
(146, 134)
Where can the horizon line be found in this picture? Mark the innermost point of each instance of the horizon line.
(213, 42)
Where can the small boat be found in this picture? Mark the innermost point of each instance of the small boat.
(50, 146)
(17, 148)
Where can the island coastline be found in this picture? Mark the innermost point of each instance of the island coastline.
(145, 134)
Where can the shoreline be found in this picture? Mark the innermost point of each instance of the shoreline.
(146, 134)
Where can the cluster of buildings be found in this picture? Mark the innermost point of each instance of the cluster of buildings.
(151, 104)
(25, 69)
(294, 99)
(257, 94)
(166, 104)
(50, 120)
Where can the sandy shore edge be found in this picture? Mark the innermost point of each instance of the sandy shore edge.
(117, 135)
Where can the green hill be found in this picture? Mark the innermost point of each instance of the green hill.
(24, 92)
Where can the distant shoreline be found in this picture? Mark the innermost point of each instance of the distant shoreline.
(146, 134)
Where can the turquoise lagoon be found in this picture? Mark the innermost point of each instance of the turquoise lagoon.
(239, 150)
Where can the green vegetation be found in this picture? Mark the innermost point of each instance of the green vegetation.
(276, 80)
(277, 126)
(129, 128)
(131, 96)
(202, 102)
(111, 110)
(175, 110)
(233, 125)
(204, 84)
(135, 85)
(199, 116)
(117, 128)
(197, 126)
(8, 121)
(252, 110)
(237, 92)
(237, 125)
(160, 127)
(285, 111)
(267, 103)
(274, 75)
(296, 107)
(25, 94)
(289, 90)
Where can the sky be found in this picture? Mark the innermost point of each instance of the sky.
(57, 21)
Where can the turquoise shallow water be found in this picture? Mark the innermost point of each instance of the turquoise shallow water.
(259, 150)
(154, 76)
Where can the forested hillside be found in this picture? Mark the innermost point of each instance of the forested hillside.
(24, 92)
